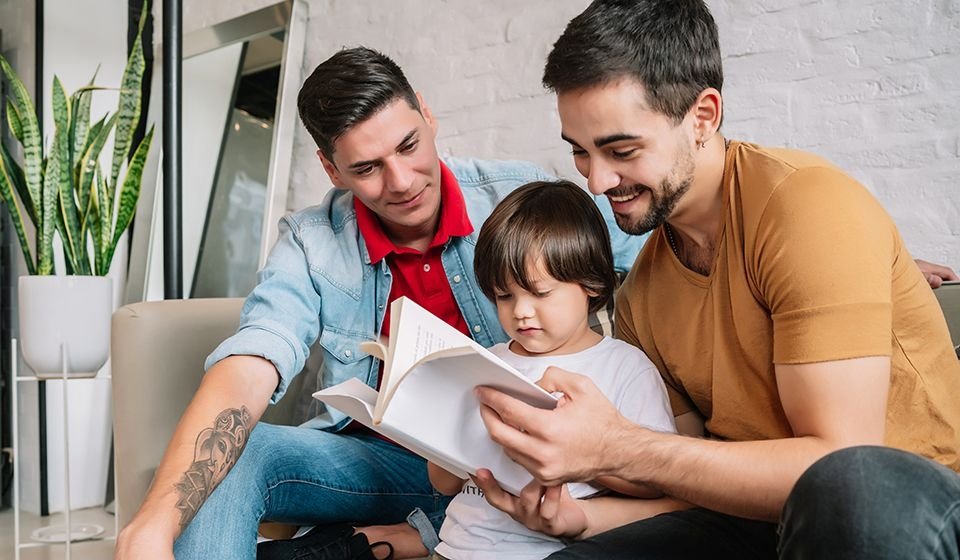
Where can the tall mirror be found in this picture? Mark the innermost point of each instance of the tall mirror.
(240, 80)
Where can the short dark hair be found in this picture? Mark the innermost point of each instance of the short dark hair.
(670, 47)
(556, 221)
(347, 89)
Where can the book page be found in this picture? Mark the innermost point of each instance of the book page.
(376, 349)
(415, 334)
(435, 413)
(352, 397)
(436, 407)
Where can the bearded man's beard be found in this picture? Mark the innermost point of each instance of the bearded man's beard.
(662, 200)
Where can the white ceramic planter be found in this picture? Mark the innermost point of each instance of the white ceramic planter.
(65, 312)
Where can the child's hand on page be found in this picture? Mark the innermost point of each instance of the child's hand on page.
(546, 509)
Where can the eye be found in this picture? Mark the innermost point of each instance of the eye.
(502, 296)
(408, 148)
(363, 171)
(578, 152)
(620, 154)
(542, 294)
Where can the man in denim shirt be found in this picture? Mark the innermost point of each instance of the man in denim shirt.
(399, 223)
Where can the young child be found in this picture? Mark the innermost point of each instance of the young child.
(544, 257)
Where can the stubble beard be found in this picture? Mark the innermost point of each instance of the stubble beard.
(663, 200)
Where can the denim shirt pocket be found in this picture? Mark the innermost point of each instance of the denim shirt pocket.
(343, 358)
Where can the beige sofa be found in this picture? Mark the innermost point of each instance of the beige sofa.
(157, 355)
(157, 352)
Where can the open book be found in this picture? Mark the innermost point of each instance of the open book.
(426, 401)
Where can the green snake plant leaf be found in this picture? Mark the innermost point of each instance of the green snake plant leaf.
(69, 217)
(130, 192)
(79, 129)
(6, 194)
(102, 227)
(93, 221)
(61, 110)
(48, 210)
(80, 102)
(30, 133)
(15, 174)
(69, 257)
(91, 157)
(13, 119)
(84, 192)
(128, 112)
(92, 135)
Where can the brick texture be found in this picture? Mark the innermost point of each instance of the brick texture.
(870, 85)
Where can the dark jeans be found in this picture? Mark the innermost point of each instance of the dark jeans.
(858, 503)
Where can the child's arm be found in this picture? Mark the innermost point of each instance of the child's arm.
(445, 483)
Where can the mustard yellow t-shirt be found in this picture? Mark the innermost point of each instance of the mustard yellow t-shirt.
(808, 268)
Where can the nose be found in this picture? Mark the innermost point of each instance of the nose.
(398, 175)
(523, 307)
(602, 177)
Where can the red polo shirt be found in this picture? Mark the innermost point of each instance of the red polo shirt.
(420, 276)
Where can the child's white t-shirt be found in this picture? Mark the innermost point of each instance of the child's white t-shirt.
(474, 529)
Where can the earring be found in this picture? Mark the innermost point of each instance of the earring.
(701, 144)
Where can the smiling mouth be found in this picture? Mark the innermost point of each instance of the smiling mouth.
(528, 330)
(412, 199)
(626, 197)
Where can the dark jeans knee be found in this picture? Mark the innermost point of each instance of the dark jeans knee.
(871, 502)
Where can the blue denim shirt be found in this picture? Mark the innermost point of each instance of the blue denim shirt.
(318, 282)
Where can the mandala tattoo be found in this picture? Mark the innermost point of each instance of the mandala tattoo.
(217, 450)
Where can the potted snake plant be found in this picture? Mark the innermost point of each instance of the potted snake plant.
(63, 190)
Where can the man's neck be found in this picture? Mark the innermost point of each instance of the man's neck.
(417, 238)
(699, 217)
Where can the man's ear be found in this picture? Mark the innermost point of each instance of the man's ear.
(331, 170)
(427, 114)
(708, 114)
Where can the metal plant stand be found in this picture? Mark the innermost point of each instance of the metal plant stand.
(67, 533)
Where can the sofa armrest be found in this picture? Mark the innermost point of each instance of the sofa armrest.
(157, 354)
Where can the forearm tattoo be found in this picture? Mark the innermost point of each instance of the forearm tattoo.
(217, 450)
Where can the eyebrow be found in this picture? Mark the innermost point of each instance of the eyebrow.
(604, 140)
(365, 163)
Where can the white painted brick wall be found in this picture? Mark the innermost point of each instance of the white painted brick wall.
(872, 85)
(478, 65)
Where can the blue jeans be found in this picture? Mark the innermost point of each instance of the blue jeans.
(871, 503)
(308, 477)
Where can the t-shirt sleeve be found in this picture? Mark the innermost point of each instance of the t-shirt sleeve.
(642, 397)
(822, 262)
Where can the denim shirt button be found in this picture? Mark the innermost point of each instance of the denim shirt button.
(456, 279)
(476, 328)
(348, 353)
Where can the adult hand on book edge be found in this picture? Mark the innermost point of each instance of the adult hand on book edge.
(565, 444)
(936, 274)
(545, 509)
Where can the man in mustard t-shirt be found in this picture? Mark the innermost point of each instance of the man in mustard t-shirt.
(777, 299)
